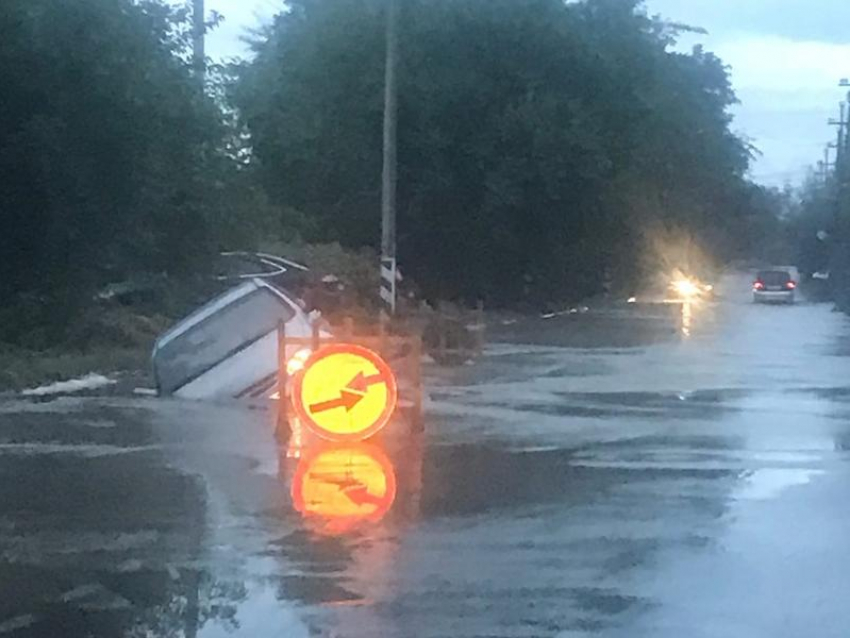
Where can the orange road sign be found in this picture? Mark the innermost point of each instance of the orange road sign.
(339, 487)
(345, 393)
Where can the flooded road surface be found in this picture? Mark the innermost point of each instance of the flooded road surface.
(687, 476)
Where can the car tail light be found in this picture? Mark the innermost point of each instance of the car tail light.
(758, 286)
(791, 285)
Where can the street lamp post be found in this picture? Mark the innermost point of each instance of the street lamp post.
(389, 178)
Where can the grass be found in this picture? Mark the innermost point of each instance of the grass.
(21, 369)
(112, 340)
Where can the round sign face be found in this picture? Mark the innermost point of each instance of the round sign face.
(339, 487)
(345, 393)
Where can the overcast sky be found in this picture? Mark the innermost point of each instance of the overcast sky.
(787, 57)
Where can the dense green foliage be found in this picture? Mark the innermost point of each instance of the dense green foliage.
(544, 147)
(839, 241)
(821, 229)
(541, 143)
(113, 161)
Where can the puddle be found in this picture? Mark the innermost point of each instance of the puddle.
(766, 484)
(257, 609)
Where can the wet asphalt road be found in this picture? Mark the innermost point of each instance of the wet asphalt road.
(594, 475)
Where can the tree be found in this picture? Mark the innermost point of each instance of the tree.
(540, 142)
(113, 162)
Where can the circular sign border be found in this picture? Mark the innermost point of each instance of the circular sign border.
(365, 353)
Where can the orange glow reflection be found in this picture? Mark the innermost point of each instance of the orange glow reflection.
(687, 318)
(297, 442)
(339, 487)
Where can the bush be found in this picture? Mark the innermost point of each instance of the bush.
(357, 270)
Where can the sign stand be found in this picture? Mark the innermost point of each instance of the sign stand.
(282, 428)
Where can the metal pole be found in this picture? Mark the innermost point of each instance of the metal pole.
(840, 123)
(389, 178)
(199, 28)
(826, 164)
(282, 429)
(847, 124)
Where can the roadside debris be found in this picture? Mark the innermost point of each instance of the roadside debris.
(91, 381)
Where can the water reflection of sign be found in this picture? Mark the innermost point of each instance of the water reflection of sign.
(339, 487)
(345, 393)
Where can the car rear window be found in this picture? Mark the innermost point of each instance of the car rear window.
(774, 277)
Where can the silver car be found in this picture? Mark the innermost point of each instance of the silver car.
(229, 347)
(774, 286)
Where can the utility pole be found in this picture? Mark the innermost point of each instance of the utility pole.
(826, 163)
(842, 159)
(844, 145)
(389, 178)
(841, 123)
(199, 27)
(845, 117)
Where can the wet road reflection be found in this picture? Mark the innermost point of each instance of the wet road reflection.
(690, 488)
(687, 318)
(338, 487)
(345, 488)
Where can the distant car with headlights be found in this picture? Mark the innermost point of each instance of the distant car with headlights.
(689, 289)
(776, 285)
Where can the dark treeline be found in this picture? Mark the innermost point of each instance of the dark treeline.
(112, 162)
(541, 143)
(821, 227)
(543, 146)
